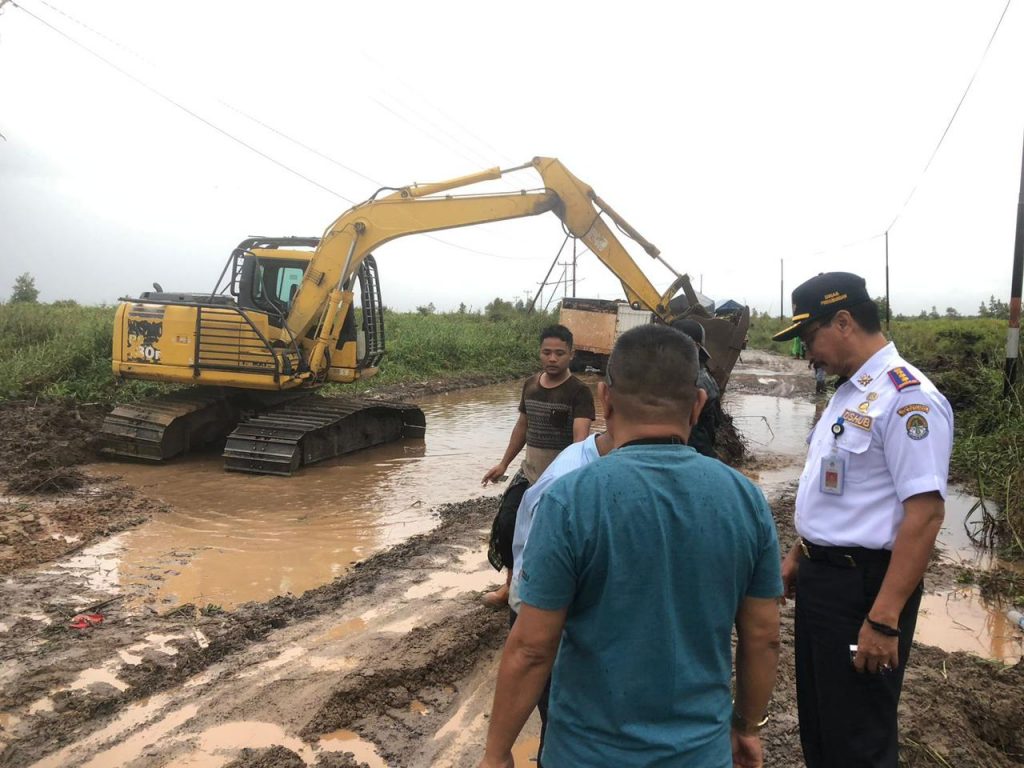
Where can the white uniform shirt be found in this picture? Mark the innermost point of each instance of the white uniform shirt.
(896, 442)
(573, 457)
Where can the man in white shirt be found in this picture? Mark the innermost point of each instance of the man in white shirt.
(868, 509)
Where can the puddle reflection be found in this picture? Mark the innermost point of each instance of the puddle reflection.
(960, 620)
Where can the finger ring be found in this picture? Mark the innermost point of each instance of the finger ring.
(884, 668)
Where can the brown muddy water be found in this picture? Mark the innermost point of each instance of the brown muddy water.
(231, 538)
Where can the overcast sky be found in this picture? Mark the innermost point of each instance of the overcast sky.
(733, 135)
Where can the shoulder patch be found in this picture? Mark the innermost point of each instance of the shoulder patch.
(859, 420)
(902, 378)
(917, 427)
(918, 407)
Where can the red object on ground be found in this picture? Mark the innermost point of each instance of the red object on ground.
(86, 620)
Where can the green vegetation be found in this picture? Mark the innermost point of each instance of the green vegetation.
(61, 350)
(53, 351)
(965, 358)
(427, 346)
(25, 290)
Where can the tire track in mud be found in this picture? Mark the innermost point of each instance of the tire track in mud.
(405, 646)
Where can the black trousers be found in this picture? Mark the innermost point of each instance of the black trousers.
(847, 718)
(542, 705)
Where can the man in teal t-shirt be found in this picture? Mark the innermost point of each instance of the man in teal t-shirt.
(641, 564)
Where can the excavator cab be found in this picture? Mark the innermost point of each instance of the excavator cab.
(267, 273)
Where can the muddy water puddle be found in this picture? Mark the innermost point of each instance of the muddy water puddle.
(230, 538)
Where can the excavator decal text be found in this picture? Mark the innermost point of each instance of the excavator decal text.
(142, 338)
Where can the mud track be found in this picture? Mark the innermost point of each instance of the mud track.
(391, 664)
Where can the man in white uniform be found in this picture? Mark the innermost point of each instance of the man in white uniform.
(868, 509)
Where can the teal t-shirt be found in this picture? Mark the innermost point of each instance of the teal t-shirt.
(652, 549)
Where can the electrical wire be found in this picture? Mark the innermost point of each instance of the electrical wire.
(182, 107)
(227, 134)
(490, 148)
(951, 119)
(223, 103)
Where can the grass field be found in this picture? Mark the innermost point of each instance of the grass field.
(55, 351)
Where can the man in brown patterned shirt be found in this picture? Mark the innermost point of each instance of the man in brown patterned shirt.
(555, 410)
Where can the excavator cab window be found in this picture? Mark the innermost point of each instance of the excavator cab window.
(274, 284)
(270, 285)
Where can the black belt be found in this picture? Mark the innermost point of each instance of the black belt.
(844, 557)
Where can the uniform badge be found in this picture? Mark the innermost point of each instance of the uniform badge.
(902, 378)
(912, 408)
(917, 427)
(865, 380)
(858, 420)
(863, 407)
(872, 396)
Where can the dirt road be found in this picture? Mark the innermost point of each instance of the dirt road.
(391, 664)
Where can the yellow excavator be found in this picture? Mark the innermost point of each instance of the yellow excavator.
(282, 321)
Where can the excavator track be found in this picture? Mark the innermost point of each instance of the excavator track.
(168, 425)
(316, 428)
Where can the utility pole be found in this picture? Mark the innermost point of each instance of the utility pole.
(1013, 330)
(574, 267)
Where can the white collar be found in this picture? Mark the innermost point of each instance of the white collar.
(874, 367)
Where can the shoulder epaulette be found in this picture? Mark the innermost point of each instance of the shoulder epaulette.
(902, 378)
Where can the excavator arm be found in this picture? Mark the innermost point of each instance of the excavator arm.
(325, 295)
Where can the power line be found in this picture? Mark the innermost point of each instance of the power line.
(182, 107)
(233, 108)
(217, 128)
(951, 119)
(440, 111)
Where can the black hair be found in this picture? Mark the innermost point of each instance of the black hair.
(654, 368)
(866, 316)
(556, 332)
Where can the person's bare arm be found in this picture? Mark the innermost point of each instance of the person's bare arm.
(757, 662)
(515, 445)
(922, 518)
(790, 565)
(525, 665)
(581, 429)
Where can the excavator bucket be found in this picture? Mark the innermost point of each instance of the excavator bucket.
(724, 340)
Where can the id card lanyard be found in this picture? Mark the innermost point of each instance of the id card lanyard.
(833, 466)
